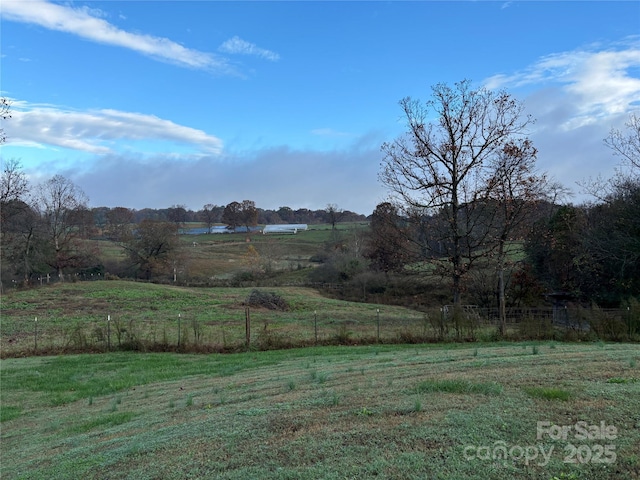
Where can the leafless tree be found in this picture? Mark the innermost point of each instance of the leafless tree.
(442, 164)
(5, 113)
(119, 221)
(57, 199)
(177, 214)
(334, 214)
(627, 144)
(211, 214)
(153, 247)
(513, 192)
(13, 187)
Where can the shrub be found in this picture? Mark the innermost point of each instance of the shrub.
(269, 300)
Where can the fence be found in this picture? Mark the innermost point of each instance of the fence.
(264, 329)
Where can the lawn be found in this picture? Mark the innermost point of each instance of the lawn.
(380, 411)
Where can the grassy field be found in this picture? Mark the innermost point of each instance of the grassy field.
(102, 316)
(396, 412)
(403, 411)
(92, 316)
(218, 257)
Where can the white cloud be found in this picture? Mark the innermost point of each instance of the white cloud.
(236, 45)
(329, 132)
(596, 83)
(576, 98)
(99, 132)
(86, 23)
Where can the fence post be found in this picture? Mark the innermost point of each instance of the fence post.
(315, 325)
(35, 336)
(378, 323)
(108, 333)
(179, 331)
(247, 326)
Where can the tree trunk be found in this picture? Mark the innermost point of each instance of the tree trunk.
(501, 301)
(501, 296)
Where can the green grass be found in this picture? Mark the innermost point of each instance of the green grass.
(548, 393)
(459, 386)
(382, 411)
(103, 421)
(623, 380)
(96, 316)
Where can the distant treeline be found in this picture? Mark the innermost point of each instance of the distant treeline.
(213, 214)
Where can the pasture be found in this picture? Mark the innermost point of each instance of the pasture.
(115, 315)
(380, 411)
(104, 316)
(365, 399)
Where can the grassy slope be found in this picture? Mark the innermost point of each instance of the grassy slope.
(331, 412)
(71, 314)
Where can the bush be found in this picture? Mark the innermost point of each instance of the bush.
(269, 300)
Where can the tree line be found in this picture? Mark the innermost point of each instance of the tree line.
(213, 214)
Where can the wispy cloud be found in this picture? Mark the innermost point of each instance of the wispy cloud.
(329, 132)
(236, 45)
(597, 82)
(89, 24)
(100, 132)
(576, 98)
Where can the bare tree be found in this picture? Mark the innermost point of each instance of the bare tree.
(627, 145)
(334, 214)
(57, 199)
(5, 113)
(211, 214)
(22, 242)
(119, 221)
(513, 192)
(13, 188)
(442, 166)
(19, 223)
(153, 247)
(177, 214)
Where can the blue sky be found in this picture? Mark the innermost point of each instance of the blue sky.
(156, 103)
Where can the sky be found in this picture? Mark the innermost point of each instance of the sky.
(149, 104)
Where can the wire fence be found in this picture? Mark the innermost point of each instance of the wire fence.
(262, 329)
